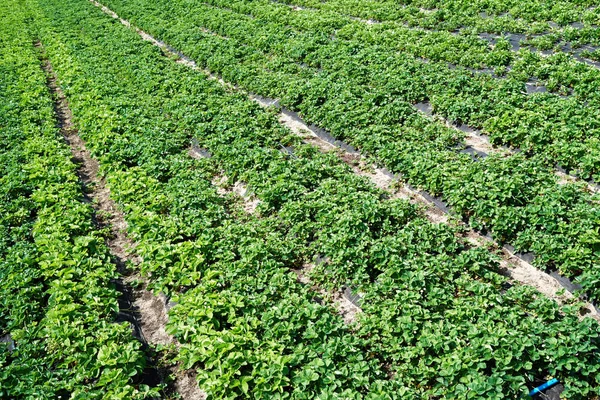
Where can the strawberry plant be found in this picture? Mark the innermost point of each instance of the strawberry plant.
(60, 338)
(438, 319)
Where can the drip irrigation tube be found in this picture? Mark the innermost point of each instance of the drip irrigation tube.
(541, 388)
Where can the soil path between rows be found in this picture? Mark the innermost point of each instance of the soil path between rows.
(146, 312)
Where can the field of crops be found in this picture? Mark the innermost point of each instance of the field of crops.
(299, 199)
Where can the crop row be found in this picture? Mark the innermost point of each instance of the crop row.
(57, 324)
(242, 319)
(569, 19)
(490, 54)
(566, 130)
(244, 322)
(578, 40)
(468, 49)
(545, 35)
(511, 196)
(558, 73)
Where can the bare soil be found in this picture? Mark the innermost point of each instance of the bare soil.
(239, 189)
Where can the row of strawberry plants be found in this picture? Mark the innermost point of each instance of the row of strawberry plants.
(302, 26)
(560, 73)
(466, 49)
(511, 196)
(566, 130)
(524, 17)
(58, 307)
(556, 73)
(543, 34)
(243, 321)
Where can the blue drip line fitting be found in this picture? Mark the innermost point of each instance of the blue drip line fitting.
(543, 387)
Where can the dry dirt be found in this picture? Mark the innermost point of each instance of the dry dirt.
(239, 189)
(186, 386)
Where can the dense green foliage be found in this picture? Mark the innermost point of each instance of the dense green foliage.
(545, 25)
(361, 91)
(437, 320)
(57, 304)
(532, 16)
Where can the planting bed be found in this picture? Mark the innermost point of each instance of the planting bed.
(292, 253)
(360, 90)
